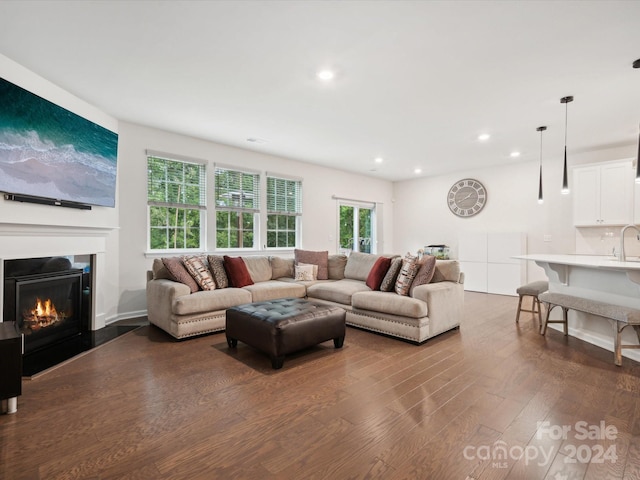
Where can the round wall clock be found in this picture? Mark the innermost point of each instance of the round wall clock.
(466, 197)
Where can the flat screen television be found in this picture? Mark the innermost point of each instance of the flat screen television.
(50, 153)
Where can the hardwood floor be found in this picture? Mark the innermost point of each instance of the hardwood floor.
(147, 407)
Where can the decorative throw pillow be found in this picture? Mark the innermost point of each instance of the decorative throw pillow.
(407, 274)
(316, 258)
(237, 272)
(216, 265)
(378, 272)
(314, 269)
(425, 273)
(179, 272)
(199, 270)
(304, 273)
(389, 281)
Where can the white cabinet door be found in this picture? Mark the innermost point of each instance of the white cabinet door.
(603, 194)
(616, 190)
(586, 196)
(487, 263)
(504, 278)
(475, 276)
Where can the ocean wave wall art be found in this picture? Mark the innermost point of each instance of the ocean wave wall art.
(48, 151)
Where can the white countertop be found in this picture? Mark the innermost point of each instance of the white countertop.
(589, 261)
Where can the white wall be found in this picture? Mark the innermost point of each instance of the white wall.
(15, 212)
(51, 222)
(319, 222)
(422, 217)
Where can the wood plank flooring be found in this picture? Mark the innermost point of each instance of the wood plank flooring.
(486, 402)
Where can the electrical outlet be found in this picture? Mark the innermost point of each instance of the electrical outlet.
(547, 238)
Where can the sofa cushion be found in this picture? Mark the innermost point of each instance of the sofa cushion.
(316, 258)
(336, 264)
(425, 273)
(407, 274)
(378, 272)
(237, 271)
(359, 265)
(339, 291)
(199, 269)
(216, 265)
(389, 281)
(210, 301)
(273, 289)
(389, 302)
(259, 268)
(281, 267)
(179, 272)
(446, 271)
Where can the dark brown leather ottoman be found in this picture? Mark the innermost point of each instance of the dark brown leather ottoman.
(283, 326)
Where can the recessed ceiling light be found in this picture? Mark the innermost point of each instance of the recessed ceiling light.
(379, 160)
(515, 154)
(326, 75)
(417, 171)
(484, 137)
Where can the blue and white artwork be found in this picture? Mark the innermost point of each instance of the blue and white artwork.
(48, 151)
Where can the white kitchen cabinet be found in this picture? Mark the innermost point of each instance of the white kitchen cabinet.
(603, 194)
(488, 264)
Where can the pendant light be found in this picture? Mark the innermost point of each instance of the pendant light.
(540, 198)
(638, 159)
(636, 64)
(565, 178)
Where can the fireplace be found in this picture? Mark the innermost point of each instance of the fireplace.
(50, 299)
(47, 307)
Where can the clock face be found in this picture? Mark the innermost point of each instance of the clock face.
(466, 197)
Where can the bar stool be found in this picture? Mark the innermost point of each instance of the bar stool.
(533, 289)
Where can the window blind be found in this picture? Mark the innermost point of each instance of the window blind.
(284, 196)
(176, 183)
(237, 190)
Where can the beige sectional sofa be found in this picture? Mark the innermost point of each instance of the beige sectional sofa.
(431, 309)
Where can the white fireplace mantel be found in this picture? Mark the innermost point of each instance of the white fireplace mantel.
(21, 240)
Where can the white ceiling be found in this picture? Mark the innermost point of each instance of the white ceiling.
(416, 81)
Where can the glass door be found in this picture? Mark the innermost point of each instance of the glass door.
(356, 228)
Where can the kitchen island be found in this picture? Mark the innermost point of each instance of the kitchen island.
(602, 278)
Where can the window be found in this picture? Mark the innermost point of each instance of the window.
(284, 209)
(357, 227)
(176, 197)
(237, 196)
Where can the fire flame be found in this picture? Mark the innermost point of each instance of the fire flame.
(46, 310)
(43, 315)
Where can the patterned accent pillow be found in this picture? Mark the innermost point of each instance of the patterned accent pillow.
(407, 274)
(179, 272)
(216, 265)
(304, 273)
(199, 270)
(389, 281)
(378, 272)
(314, 269)
(425, 274)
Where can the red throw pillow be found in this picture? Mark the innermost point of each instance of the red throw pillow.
(237, 272)
(377, 273)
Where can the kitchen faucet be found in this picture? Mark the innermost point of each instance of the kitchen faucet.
(623, 257)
